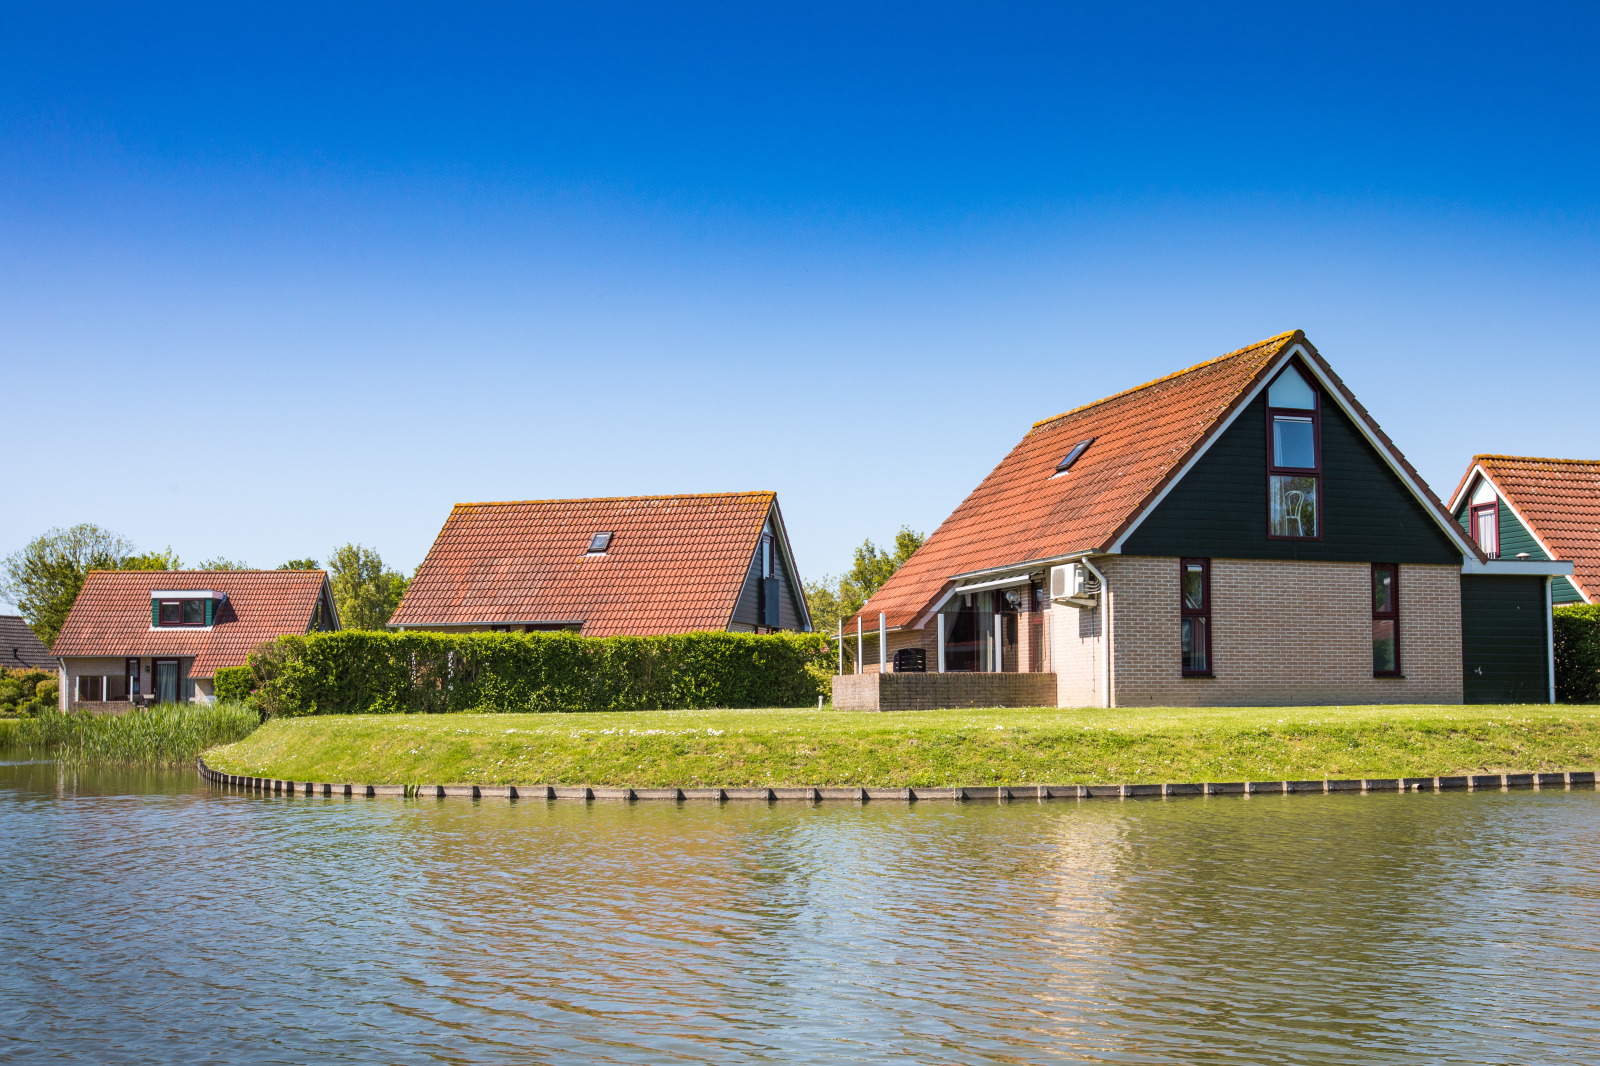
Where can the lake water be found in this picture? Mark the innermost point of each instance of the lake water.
(146, 917)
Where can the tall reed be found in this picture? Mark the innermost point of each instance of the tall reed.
(166, 735)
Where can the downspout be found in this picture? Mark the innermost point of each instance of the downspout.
(1550, 632)
(1105, 631)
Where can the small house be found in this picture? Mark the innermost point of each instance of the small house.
(639, 565)
(1517, 508)
(1240, 532)
(159, 636)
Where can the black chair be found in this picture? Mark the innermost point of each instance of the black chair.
(911, 661)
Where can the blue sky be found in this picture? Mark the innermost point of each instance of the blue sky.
(277, 277)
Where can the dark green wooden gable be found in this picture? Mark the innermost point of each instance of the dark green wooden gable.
(1516, 537)
(1219, 509)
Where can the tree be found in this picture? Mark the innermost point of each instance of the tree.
(301, 564)
(43, 579)
(364, 592)
(219, 563)
(831, 599)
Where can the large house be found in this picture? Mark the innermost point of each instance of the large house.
(1240, 532)
(159, 636)
(1516, 507)
(636, 565)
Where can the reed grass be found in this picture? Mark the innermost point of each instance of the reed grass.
(169, 734)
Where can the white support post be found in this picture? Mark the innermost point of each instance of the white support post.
(997, 656)
(858, 643)
(883, 645)
(940, 617)
(841, 645)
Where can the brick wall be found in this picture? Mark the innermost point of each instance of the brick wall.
(926, 692)
(1282, 632)
(1078, 654)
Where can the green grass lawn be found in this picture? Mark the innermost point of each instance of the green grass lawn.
(967, 747)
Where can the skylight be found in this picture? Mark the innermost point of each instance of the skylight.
(1077, 449)
(599, 543)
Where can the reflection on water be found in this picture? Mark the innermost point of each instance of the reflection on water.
(147, 917)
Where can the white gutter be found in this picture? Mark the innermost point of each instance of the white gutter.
(1519, 567)
(1550, 634)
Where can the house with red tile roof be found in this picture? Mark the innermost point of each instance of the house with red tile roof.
(1520, 507)
(159, 636)
(1240, 532)
(640, 565)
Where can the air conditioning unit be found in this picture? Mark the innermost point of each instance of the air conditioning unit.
(1073, 584)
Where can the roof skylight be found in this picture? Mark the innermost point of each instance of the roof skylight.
(1077, 450)
(599, 543)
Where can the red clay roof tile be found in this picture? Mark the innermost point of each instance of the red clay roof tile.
(675, 563)
(111, 615)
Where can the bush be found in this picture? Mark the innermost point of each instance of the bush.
(356, 672)
(233, 682)
(24, 693)
(170, 734)
(1577, 633)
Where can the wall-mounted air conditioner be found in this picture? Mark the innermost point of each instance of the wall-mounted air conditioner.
(1074, 585)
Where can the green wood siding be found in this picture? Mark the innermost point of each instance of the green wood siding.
(1220, 509)
(1505, 649)
(1514, 536)
(1562, 590)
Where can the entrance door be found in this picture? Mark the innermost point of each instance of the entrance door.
(166, 686)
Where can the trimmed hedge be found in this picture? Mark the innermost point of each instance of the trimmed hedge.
(1577, 632)
(374, 672)
(234, 682)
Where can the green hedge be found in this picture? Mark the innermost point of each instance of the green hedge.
(234, 682)
(1577, 631)
(356, 672)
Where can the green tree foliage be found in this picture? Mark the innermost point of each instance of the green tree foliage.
(364, 592)
(43, 579)
(832, 598)
(219, 563)
(25, 693)
(301, 564)
(368, 673)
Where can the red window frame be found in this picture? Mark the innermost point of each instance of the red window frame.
(1201, 613)
(1314, 472)
(164, 624)
(1472, 521)
(1390, 615)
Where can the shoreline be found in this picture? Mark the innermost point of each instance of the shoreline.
(1564, 780)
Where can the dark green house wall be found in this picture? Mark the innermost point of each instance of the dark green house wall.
(1219, 509)
(1504, 639)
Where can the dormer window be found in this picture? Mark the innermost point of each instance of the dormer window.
(1294, 457)
(1072, 456)
(599, 544)
(185, 608)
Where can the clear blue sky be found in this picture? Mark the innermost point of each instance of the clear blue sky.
(277, 277)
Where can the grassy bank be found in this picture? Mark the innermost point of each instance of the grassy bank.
(166, 735)
(687, 748)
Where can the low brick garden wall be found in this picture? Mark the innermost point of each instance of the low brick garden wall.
(930, 692)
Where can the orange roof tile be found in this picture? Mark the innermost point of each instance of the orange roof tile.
(1560, 499)
(675, 563)
(111, 615)
(1142, 437)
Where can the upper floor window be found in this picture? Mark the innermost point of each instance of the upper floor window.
(181, 613)
(1294, 459)
(599, 544)
(1486, 528)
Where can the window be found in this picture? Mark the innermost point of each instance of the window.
(133, 677)
(1195, 609)
(599, 544)
(1486, 528)
(1385, 620)
(1294, 458)
(90, 688)
(1072, 456)
(181, 613)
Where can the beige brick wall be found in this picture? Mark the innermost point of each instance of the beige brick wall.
(1282, 632)
(919, 692)
(1077, 654)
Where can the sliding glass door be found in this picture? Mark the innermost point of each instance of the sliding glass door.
(166, 686)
